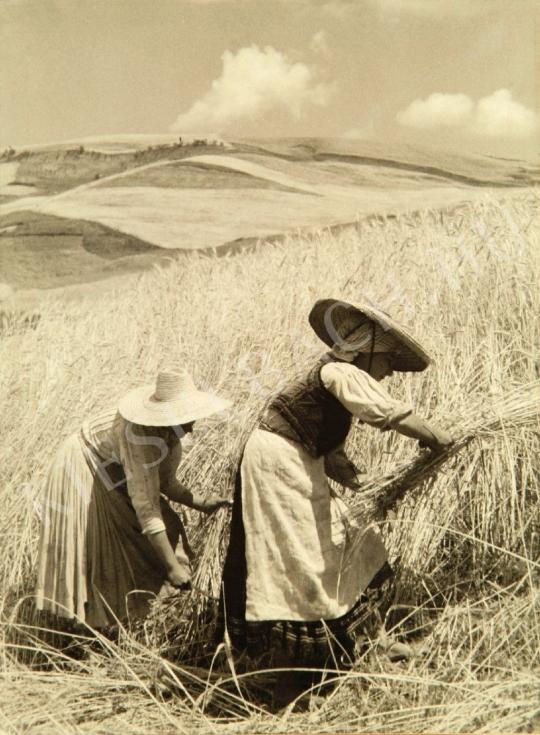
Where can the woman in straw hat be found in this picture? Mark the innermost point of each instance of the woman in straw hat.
(109, 539)
(298, 572)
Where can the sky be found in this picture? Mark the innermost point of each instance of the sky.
(452, 73)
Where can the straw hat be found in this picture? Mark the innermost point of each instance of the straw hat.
(172, 401)
(351, 328)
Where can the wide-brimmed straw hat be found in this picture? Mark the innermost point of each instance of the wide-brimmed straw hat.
(171, 401)
(363, 328)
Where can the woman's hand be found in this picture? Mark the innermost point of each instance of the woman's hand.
(178, 573)
(441, 440)
(425, 433)
(179, 577)
(181, 494)
(444, 440)
(210, 505)
(357, 482)
(340, 468)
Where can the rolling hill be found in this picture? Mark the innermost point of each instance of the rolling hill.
(80, 212)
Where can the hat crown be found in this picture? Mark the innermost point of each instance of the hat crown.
(172, 400)
(171, 385)
(365, 328)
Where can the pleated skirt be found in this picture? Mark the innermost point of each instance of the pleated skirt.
(94, 564)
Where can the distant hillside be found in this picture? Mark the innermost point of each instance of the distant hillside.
(53, 170)
(43, 251)
(467, 168)
(78, 212)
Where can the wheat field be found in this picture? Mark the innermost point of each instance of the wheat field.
(466, 548)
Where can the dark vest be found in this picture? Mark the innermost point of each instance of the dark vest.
(307, 413)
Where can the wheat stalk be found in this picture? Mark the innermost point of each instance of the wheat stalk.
(222, 318)
(519, 407)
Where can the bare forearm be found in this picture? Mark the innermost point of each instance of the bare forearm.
(177, 569)
(164, 551)
(181, 494)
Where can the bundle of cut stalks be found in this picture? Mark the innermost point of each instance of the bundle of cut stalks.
(186, 621)
(194, 617)
(519, 407)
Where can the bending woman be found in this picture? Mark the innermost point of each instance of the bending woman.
(109, 539)
(298, 571)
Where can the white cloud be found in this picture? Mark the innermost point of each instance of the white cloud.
(500, 116)
(319, 43)
(496, 115)
(438, 110)
(253, 82)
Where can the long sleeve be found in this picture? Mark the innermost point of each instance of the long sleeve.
(363, 396)
(169, 467)
(141, 456)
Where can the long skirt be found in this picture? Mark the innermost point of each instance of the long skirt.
(267, 472)
(94, 564)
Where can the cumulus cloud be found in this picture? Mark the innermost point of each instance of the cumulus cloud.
(253, 82)
(445, 110)
(500, 116)
(319, 43)
(496, 115)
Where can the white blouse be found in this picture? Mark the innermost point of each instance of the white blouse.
(363, 396)
(149, 463)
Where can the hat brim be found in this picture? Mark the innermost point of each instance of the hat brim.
(333, 320)
(139, 407)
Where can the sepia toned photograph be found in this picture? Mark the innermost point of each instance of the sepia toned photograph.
(269, 366)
